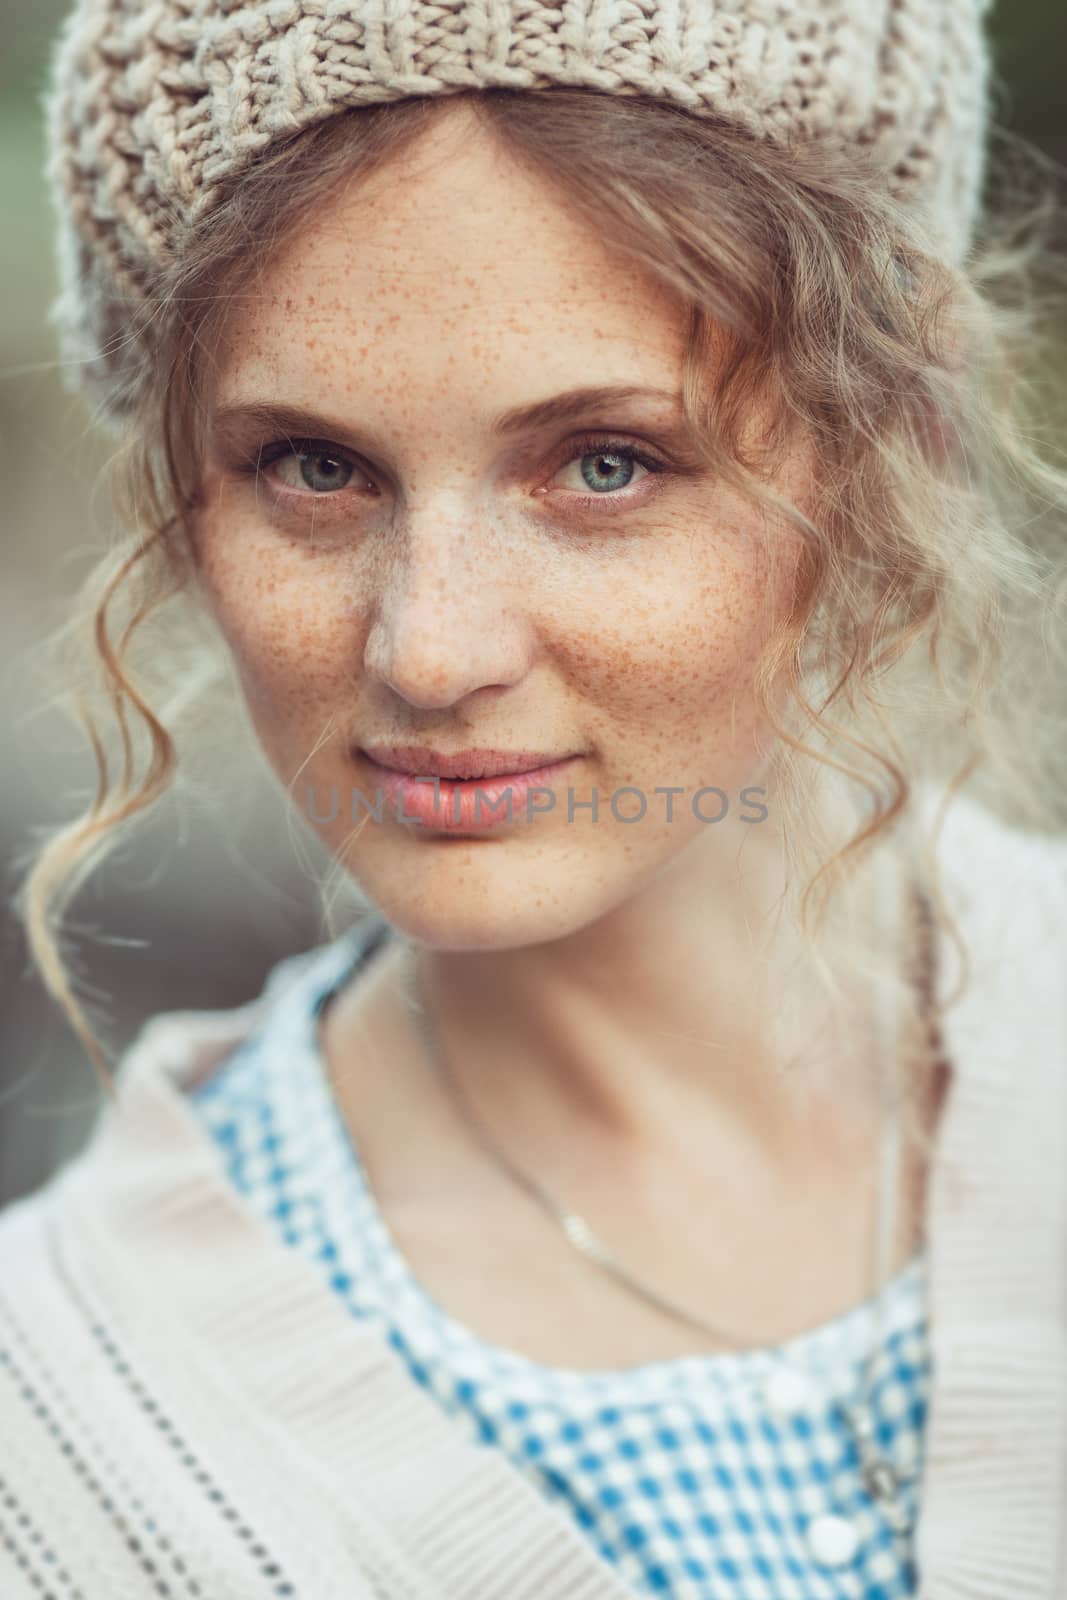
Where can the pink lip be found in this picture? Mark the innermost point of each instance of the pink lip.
(421, 761)
(476, 805)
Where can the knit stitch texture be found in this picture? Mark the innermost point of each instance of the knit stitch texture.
(153, 103)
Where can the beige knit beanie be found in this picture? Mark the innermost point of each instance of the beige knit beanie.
(152, 102)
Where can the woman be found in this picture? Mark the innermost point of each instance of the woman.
(587, 433)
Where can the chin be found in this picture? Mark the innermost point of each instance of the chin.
(478, 899)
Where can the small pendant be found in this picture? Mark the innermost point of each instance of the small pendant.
(880, 1479)
(883, 1484)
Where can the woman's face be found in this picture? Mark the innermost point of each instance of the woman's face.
(438, 552)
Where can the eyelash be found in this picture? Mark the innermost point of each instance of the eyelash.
(590, 444)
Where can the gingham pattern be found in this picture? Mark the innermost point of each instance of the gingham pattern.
(678, 1471)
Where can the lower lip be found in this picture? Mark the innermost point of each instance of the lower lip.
(467, 805)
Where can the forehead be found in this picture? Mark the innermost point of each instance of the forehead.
(451, 257)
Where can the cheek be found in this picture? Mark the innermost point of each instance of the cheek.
(678, 633)
(293, 642)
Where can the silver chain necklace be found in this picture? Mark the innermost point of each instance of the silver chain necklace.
(882, 1478)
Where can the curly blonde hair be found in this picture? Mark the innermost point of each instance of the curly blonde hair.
(927, 641)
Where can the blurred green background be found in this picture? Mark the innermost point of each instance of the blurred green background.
(183, 918)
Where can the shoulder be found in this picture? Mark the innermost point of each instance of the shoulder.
(191, 1044)
(178, 1050)
(988, 861)
(1001, 891)
(970, 822)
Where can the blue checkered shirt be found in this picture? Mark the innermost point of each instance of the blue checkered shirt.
(689, 1475)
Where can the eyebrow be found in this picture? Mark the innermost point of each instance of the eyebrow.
(568, 407)
(232, 417)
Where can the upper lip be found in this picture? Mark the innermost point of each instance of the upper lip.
(420, 761)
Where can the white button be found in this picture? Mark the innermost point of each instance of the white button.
(787, 1391)
(833, 1541)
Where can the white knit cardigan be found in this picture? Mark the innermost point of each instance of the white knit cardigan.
(188, 1410)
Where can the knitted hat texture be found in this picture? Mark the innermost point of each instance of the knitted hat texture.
(153, 102)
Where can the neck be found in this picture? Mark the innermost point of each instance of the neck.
(692, 1006)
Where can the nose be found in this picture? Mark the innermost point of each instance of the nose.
(450, 616)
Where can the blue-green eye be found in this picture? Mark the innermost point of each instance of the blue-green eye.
(605, 467)
(609, 469)
(318, 470)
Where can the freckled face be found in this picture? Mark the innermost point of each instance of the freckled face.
(404, 572)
